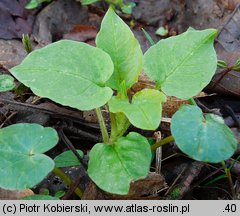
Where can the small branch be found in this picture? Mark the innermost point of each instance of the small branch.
(7, 119)
(52, 112)
(175, 181)
(71, 147)
(102, 125)
(223, 74)
(190, 174)
(232, 114)
(67, 181)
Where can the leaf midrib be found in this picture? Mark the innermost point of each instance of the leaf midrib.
(122, 162)
(187, 57)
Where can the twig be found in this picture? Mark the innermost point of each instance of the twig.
(8, 118)
(207, 177)
(175, 181)
(232, 114)
(224, 73)
(54, 114)
(80, 133)
(71, 147)
(191, 173)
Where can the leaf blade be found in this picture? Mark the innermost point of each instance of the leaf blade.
(144, 112)
(21, 160)
(205, 139)
(116, 38)
(67, 158)
(182, 65)
(68, 72)
(113, 167)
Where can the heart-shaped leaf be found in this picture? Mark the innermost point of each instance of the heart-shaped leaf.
(68, 72)
(144, 112)
(182, 65)
(202, 138)
(116, 38)
(113, 167)
(22, 164)
(6, 83)
(67, 158)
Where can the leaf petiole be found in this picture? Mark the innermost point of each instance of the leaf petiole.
(102, 125)
(162, 142)
(67, 181)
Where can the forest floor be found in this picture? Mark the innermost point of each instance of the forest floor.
(182, 177)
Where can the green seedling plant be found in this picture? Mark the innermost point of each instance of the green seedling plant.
(81, 76)
(125, 7)
(32, 4)
(6, 83)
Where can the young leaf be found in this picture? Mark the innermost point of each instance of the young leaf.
(6, 83)
(67, 158)
(182, 65)
(22, 164)
(202, 138)
(116, 38)
(144, 112)
(128, 7)
(68, 72)
(113, 167)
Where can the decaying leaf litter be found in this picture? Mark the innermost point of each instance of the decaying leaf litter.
(76, 126)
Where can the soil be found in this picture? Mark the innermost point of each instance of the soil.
(181, 177)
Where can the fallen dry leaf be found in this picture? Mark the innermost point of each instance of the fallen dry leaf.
(83, 33)
(142, 189)
(14, 195)
(15, 20)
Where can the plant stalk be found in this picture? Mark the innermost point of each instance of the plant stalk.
(229, 176)
(120, 125)
(102, 125)
(162, 142)
(192, 102)
(67, 181)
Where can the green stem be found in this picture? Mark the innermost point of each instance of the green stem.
(120, 125)
(162, 142)
(67, 181)
(102, 125)
(229, 176)
(192, 102)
